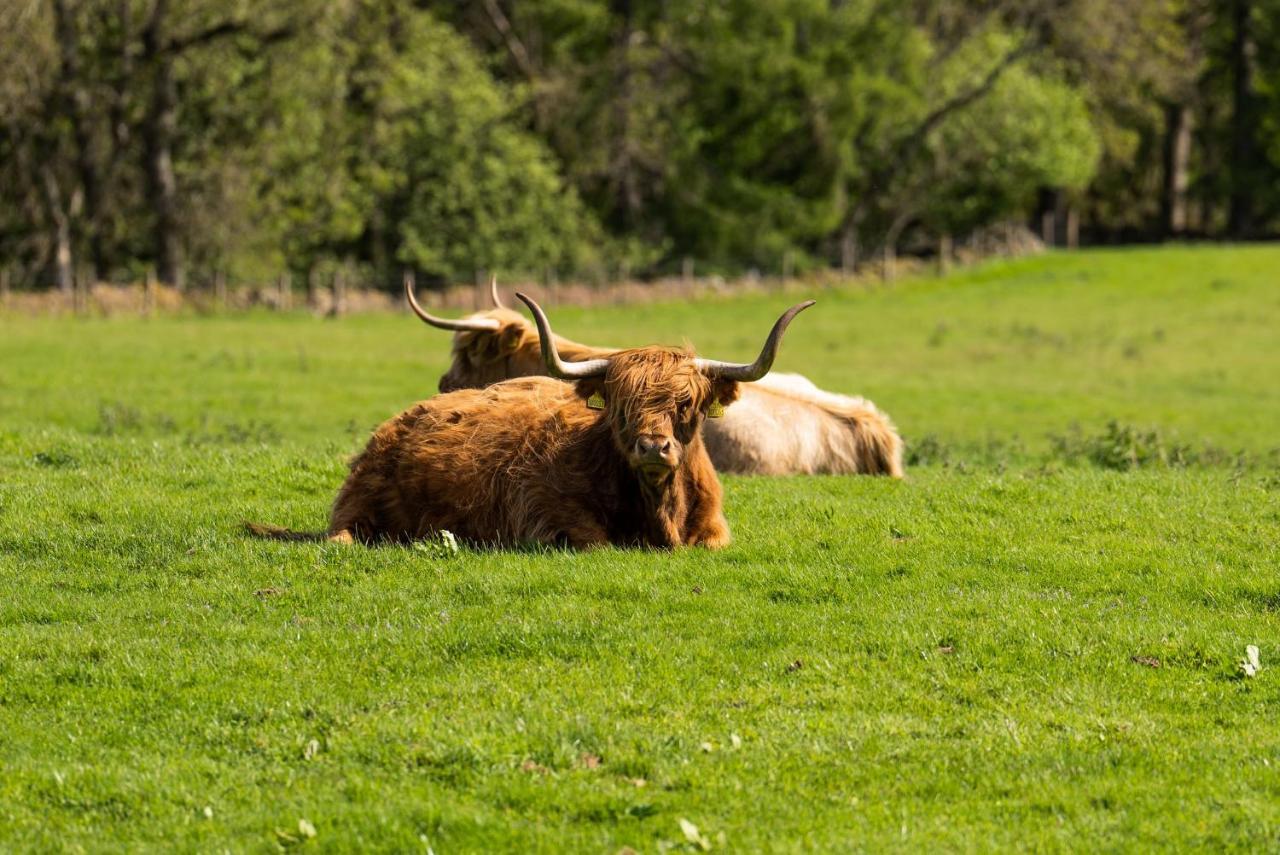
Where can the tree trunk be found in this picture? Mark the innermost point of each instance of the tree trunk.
(1177, 156)
(63, 260)
(158, 131)
(623, 169)
(75, 108)
(1243, 122)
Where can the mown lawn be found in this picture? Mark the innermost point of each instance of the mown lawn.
(1032, 643)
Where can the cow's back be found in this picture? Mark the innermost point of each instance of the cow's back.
(785, 425)
(474, 462)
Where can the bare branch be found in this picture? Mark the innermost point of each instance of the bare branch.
(515, 47)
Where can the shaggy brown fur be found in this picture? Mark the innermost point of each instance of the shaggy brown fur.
(783, 424)
(526, 460)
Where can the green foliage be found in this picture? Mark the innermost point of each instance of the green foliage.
(585, 138)
(416, 159)
(1032, 132)
(1001, 652)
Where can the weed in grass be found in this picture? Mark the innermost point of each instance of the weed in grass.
(55, 458)
(1126, 447)
(929, 450)
(116, 417)
(938, 335)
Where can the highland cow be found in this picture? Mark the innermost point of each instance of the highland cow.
(614, 457)
(782, 425)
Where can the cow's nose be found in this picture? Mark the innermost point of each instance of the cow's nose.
(654, 447)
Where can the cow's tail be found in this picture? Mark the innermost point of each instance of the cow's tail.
(879, 447)
(275, 532)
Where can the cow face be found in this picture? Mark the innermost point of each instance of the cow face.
(655, 400)
(483, 357)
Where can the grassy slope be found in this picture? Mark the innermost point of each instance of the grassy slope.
(965, 639)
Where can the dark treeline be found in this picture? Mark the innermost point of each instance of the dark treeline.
(605, 138)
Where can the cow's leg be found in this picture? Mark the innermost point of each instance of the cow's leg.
(705, 524)
(569, 524)
(713, 533)
(585, 534)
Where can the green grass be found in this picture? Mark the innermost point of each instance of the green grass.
(960, 661)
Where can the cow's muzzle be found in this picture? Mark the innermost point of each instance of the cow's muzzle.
(656, 455)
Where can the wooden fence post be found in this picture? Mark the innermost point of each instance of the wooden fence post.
(80, 291)
(945, 250)
(220, 290)
(4, 288)
(149, 293)
(313, 287)
(339, 292)
(284, 292)
(686, 268)
(888, 261)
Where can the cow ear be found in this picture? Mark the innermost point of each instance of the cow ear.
(591, 390)
(479, 346)
(509, 339)
(724, 393)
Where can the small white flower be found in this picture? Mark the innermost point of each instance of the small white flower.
(449, 542)
(1251, 664)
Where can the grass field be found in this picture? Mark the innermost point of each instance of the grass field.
(1031, 643)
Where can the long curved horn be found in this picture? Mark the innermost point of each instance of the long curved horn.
(551, 357)
(493, 292)
(745, 373)
(462, 324)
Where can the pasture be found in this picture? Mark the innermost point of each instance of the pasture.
(1031, 643)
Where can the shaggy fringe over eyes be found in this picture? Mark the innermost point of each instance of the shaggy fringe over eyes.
(642, 384)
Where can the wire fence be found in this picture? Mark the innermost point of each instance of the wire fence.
(339, 293)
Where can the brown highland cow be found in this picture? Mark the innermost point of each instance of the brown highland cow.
(781, 425)
(615, 457)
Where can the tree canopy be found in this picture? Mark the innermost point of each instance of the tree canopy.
(601, 138)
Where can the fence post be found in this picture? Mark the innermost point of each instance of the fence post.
(339, 292)
(80, 291)
(888, 259)
(149, 293)
(945, 250)
(786, 265)
(220, 291)
(686, 268)
(284, 292)
(4, 287)
(313, 287)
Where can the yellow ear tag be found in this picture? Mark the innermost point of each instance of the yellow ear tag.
(596, 401)
(716, 410)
